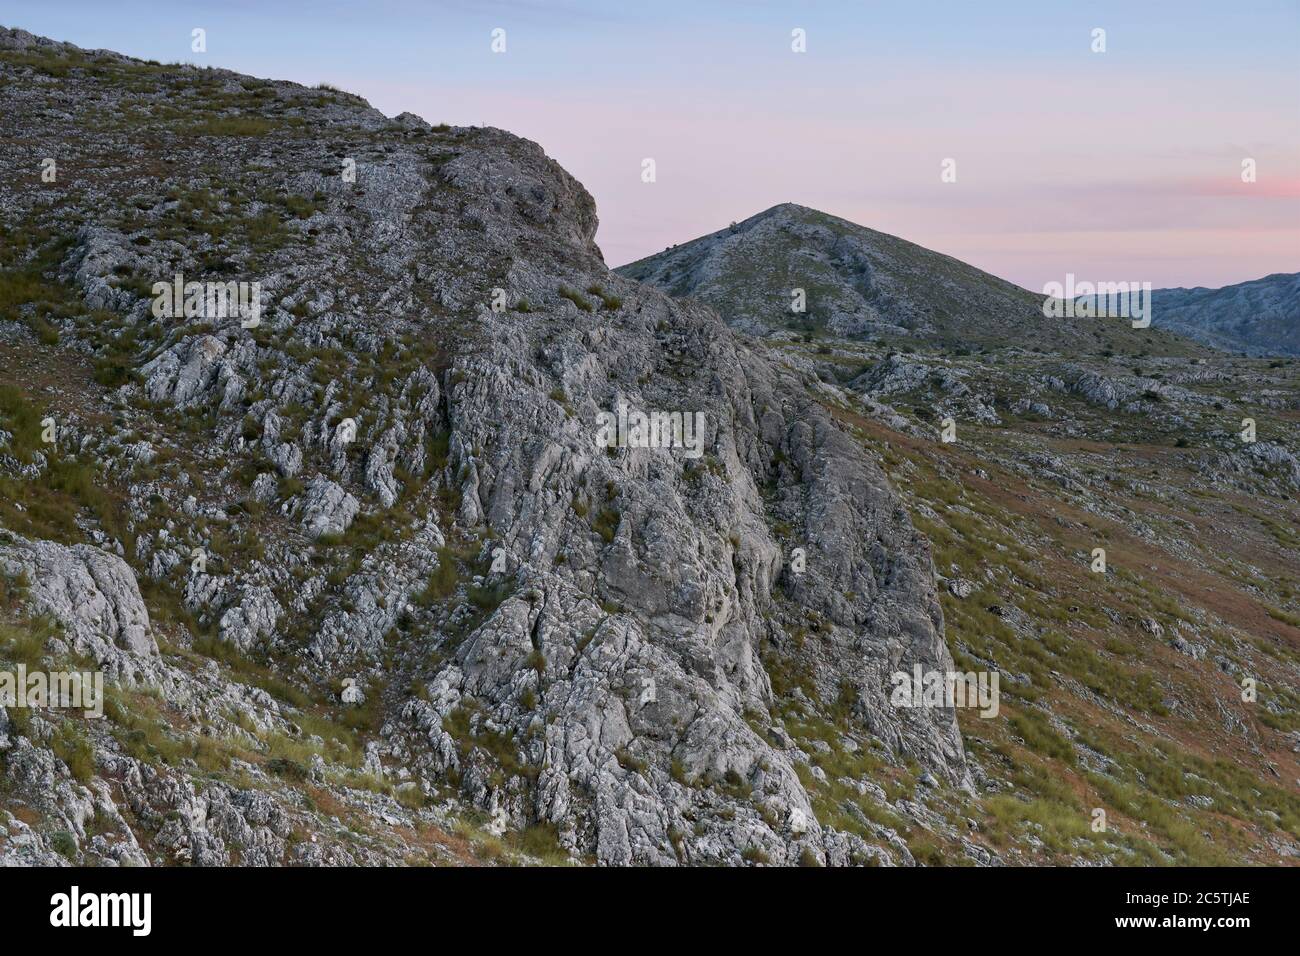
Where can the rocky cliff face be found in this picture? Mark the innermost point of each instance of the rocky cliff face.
(391, 577)
(1261, 317)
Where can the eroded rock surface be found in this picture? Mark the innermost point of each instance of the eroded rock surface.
(390, 479)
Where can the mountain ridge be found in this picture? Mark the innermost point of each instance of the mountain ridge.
(1259, 317)
(862, 283)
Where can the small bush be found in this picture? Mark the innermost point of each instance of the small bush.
(442, 582)
(488, 599)
(75, 751)
(542, 840)
(13, 589)
(288, 769)
(24, 644)
(608, 301)
(64, 844)
(577, 298)
(753, 854)
(439, 450)
(606, 524)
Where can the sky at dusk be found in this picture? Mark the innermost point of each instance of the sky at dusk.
(1122, 165)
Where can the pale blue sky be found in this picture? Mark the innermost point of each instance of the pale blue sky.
(1119, 165)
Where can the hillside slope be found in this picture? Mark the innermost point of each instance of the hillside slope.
(366, 588)
(864, 284)
(1161, 691)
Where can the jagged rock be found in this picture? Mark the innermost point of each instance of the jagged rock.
(1190, 648)
(1272, 456)
(265, 487)
(93, 594)
(1024, 405)
(186, 371)
(252, 620)
(327, 508)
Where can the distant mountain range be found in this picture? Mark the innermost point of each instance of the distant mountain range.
(1260, 317)
(860, 283)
